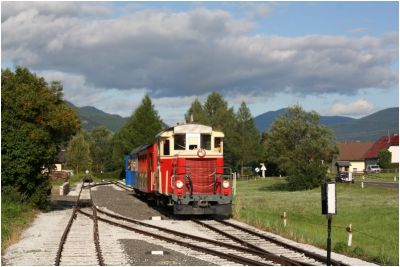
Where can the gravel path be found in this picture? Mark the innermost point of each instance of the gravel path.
(39, 243)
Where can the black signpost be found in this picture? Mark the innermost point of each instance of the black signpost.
(328, 204)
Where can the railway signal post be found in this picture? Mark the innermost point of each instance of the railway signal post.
(328, 201)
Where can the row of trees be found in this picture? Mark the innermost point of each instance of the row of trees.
(242, 139)
(296, 146)
(90, 151)
(36, 124)
(100, 150)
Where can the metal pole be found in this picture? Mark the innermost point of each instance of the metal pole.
(328, 250)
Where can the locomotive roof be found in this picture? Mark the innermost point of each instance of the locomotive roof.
(188, 128)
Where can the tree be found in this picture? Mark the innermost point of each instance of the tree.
(246, 140)
(216, 108)
(196, 111)
(141, 128)
(100, 148)
(78, 153)
(215, 113)
(298, 143)
(35, 124)
(385, 159)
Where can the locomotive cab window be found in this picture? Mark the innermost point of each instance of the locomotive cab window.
(218, 144)
(205, 141)
(166, 147)
(179, 142)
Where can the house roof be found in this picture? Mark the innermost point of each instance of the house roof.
(383, 143)
(342, 163)
(353, 150)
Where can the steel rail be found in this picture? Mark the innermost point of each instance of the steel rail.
(96, 232)
(307, 253)
(250, 249)
(279, 258)
(228, 256)
(67, 229)
(264, 254)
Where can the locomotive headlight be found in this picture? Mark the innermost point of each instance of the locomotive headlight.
(225, 184)
(179, 184)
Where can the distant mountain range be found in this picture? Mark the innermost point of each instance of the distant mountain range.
(92, 117)
(370, 127)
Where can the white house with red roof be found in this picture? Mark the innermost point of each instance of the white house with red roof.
(389, 142)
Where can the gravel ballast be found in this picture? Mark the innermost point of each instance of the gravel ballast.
(39, 243)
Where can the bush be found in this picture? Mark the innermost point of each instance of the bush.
(10, 194)
(40, 197)
(307, 177)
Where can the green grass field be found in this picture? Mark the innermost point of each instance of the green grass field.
(372, 211)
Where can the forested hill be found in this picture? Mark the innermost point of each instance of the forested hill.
(265, 120)
(370, 127)
(92, 117)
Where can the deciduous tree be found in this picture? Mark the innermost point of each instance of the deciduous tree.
(78, 153)
(35, 123)
(298, 143)
(385, 159)
(100, 148)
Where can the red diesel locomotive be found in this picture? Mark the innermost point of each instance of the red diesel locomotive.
(184, 168)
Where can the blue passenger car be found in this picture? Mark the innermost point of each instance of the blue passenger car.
(131, 170)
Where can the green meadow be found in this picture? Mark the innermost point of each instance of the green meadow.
(372, 211)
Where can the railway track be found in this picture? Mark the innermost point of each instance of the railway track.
(227, 231)
(282, 252)
(225, 240)
(79, 240)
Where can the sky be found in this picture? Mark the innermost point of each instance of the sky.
(337, 58)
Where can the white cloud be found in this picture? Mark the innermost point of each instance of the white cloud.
(173, 54)
(356, 108)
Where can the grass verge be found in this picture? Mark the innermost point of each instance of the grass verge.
(16, 216)
(373, 213)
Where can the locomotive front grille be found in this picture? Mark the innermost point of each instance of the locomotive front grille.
(202, 175)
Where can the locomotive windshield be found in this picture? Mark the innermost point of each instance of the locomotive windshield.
(205, 141)
(180, 142)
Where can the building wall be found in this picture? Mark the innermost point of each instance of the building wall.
(58, 167)
(395, 153)
(359, 165)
